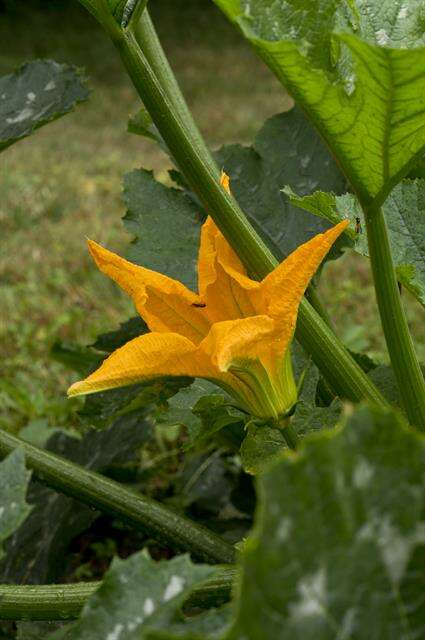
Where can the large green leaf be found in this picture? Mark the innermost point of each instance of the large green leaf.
(14, 480)
(37, 93)
(165, 222)
(286, 150)
(358, 70)
(404, 212)
(137, 596)
(336, 549)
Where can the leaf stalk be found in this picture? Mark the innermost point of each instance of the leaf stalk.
(65, 601)
(109, 496)
(193, 157)
(404, 361)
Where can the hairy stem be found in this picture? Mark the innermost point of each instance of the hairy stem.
(407, 371)
(111, 497)
(65, 601)
(336, 364)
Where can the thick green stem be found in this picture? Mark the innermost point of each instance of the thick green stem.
(328, 353)
(107, 495)
(44, 602)
(150, 44)
(314, 299)
(404, 361)
(65, 601)
(290, 435)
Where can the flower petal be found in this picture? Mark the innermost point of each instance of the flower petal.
(253, 358)
(281, 290)
(165, 304)
(149, 356)
(223, 284)
(256, 337)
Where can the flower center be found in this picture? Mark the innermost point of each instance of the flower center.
(265, 392)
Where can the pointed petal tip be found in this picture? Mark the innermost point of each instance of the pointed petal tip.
(86, 387)
(225, 181)
(94, 247)
(343, 224)
(334, 232)
(75, 389)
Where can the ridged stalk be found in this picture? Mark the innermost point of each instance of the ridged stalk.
(65, 601)
(331, 357)
(111, 497)
(405, 364)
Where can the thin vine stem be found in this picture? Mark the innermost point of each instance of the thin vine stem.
(405, 364)
(65, 601)
(329, 354)
(111, 497)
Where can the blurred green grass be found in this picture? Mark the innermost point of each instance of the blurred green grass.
(64, 184)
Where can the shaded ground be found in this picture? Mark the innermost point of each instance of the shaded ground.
(64, 184)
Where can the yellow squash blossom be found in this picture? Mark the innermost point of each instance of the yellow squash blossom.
(235, 332)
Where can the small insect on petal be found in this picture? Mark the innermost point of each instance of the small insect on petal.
(225, 181)
(358, 226)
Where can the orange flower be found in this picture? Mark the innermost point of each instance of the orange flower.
(235, 332)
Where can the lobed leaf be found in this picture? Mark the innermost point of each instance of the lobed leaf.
(14, 479)
(37, 93)
(358, 71)
(286, 150)
(404, 212)
(166, 224)
(138, 596)
(338, 537)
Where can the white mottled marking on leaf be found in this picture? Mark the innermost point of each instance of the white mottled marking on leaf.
(346, 630)
(50, 85)
(382, 37)
(396, 548)
(339, 481)
(362, 474)
(173, 588)
(366, 532)
(350, 84)
(31, 96)
(403, 12)
(148, 606)
(284, 529)
(22, 115)
(131, 626)
(116, 632)
(1, 511)
(304, 161)
(312, 596)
